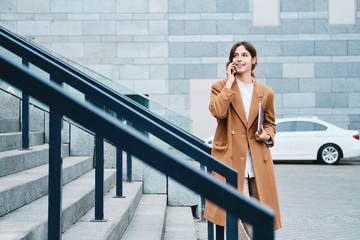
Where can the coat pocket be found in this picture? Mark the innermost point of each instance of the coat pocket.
(219, 150)
(220, 146)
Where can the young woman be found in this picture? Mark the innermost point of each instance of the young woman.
(234, 102)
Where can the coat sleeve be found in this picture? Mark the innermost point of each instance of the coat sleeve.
(220, 99)
(269, 118)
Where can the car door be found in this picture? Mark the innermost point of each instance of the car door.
(281, 149)
(306, 139)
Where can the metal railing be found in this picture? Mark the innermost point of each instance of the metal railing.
(123, 106)
(185, 142)
(126, 138)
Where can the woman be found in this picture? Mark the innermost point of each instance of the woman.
(237, 143)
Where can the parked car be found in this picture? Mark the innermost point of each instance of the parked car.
(312, 139)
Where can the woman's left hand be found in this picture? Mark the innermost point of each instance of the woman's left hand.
(263, 136)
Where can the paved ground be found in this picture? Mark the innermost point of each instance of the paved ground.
(317, 201)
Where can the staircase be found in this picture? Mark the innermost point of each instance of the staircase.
(24, 180)
(24, 188)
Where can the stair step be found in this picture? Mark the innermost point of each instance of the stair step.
(17, 160)
(117, 212)
(149, 218)
(179, 224)
(30, 221)
(9, 125)
(23, 187)
(10, 141)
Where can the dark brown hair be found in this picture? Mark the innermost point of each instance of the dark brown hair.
(250, 48)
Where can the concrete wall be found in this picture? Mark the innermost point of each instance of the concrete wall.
(157, 47)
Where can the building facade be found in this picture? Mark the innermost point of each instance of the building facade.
(172, 50)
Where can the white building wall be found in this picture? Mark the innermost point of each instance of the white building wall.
(162, 47)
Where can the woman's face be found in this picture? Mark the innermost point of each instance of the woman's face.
(242, 60)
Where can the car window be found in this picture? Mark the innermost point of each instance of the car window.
(302, 126)
(283, 127)
(320, 127)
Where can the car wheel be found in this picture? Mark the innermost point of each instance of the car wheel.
(329, 154)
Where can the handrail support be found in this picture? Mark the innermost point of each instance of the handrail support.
(55, 174)
(25, 116)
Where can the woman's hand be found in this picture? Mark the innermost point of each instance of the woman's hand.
(263, 136)
(230, 74)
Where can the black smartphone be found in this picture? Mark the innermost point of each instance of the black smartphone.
(233, 71)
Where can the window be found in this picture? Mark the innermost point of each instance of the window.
(301, 126)
(342, 12)
(266, 12)
(320, 127)
(283, 127)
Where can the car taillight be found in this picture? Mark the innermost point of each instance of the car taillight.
(356, 136)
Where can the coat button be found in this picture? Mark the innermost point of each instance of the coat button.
(232, 132)
(265, 161)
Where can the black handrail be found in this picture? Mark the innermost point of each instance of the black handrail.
(261, 218)
(123, 106)
(85, 84)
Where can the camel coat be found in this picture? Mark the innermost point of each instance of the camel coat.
(234, 134)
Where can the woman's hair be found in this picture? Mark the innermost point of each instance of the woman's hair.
(250, 48)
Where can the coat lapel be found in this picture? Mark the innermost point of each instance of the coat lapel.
(254, 107)
(238, 103)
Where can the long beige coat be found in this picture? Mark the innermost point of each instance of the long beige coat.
(233, 136)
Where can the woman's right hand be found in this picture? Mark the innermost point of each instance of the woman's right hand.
(230, 74)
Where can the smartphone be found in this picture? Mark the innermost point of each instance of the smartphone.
(233, 71)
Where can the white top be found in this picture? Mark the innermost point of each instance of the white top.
(246, 91)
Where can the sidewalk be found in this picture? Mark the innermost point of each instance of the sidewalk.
(317, 202)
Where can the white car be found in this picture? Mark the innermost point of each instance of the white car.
(311, 139)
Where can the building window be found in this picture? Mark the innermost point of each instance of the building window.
(266, 12)
(342, 12)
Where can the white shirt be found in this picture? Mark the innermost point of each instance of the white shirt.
(246, 91)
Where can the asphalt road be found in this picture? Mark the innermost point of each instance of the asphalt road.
(317, 202)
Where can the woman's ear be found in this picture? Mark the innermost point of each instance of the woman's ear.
(253, 61)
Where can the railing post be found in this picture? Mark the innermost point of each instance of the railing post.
(25, 115)
(232, 221)
(220, 232)
(202, 199)
(119, 173)
(210, 224)
(264, 230)
(99, 178)
(55, 176)
(129, 161)
(119, 169)
(210, 230)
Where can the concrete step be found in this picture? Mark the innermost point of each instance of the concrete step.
(10, 141)
(9, 125)
(149, 219)
(30, 221)
(117, 212)
(179, 224)
(17, 160)
(23, 187)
